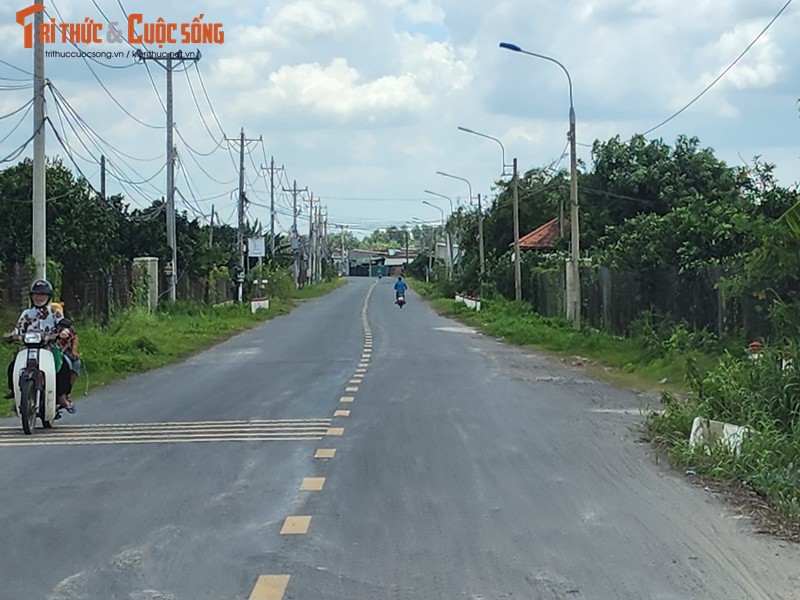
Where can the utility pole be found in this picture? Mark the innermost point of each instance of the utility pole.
(517, 257)
(295, 242)
(480, 236)
(344, 272)
(39, 237)
(240, 246)
(271, 170)
(240, 224)
(103, 177)
(310, 252)
(574, 280)
(172, 241)
(211, 230)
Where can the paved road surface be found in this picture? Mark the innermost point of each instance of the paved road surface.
(464, 470)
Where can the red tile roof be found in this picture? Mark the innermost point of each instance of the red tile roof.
(542, 238)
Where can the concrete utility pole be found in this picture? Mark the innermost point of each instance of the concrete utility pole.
(240, 245)
(295, 241)
(39, 237)
(310, 252)
(103, 177)
(211, 230)
(480, 239)
(517, 257)
(271, 170)
(172, 241)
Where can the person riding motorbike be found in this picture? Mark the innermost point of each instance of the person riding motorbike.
(42, 316)
(400, 287)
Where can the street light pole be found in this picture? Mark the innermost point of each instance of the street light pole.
(573, 278)
(447, 236)
(502, 148)
(480, 218)
(515, 184)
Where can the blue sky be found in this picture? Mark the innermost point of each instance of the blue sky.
(360, 100)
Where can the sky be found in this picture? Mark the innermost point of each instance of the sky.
(359, 101)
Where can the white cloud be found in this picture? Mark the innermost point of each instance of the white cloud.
(309, 18)
(336, 92)
(362, 97)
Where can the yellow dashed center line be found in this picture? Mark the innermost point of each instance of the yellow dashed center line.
(346, 399)
(296, 525)
(312, 484)
(335, 431)
(270, 587)
(325, 453)
(341, 413)
(351, 389)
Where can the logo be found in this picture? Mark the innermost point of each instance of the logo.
(21, 15)
(89, 31)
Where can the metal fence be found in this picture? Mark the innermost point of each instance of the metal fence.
(94, 296)
(612, 300)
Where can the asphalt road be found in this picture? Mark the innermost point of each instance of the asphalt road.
(461, 469)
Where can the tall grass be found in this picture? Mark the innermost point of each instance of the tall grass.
(760, 394)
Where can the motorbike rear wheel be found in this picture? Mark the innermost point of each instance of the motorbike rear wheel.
(27, 406)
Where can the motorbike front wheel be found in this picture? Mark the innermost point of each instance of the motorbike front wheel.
(27, 406)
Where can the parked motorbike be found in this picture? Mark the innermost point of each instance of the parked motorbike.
(35, 392)
(401, 300)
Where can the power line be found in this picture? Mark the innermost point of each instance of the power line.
(86, 126)
(8, 64)
(724, 72)
(77, 47)
(29, 106)
(58, 99)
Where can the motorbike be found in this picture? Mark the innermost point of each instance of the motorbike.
(401, 300)
(35, 392)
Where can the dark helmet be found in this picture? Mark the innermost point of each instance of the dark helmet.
(42, 287)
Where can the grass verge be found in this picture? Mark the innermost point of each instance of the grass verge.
(136, 341)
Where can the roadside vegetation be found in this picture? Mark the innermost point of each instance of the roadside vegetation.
(136, 340)
(691, 261)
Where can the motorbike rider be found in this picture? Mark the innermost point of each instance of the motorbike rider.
(400, 287)
(42, 316)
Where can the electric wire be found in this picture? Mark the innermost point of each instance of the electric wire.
(86, 126)
(110, 160)
(721, 75)
(8, 64)
(20, 122)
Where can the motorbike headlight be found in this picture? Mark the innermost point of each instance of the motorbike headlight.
(33, 337)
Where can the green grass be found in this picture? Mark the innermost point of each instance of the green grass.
(136, 341)
(759, 394)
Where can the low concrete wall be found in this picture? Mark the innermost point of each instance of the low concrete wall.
(258, 305)
(473, 303)
(707, 432)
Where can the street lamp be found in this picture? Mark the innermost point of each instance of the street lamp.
(502, 148)
(515, 193)
(480, 217)
(452, 210)
(573, 278)
(447, 239)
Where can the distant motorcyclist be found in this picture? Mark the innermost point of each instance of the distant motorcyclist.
(400, 287)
